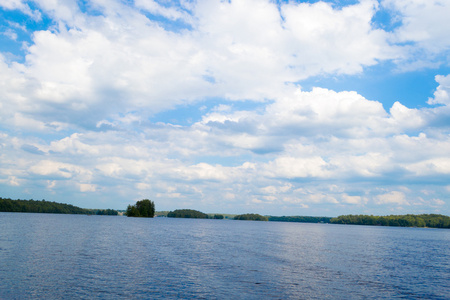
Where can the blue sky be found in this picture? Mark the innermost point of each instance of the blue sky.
(272, 107)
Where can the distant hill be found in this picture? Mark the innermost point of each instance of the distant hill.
(42, 206)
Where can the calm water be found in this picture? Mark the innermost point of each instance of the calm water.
(84, 257)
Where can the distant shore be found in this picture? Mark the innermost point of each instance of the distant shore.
(43, 206)
(409, 220)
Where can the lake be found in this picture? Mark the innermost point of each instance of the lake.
(46, 256)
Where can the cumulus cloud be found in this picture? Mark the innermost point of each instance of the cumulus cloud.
(86, 187)
(56, 169)
(76, 114)
(86, 62)
(352, 199)
(10, 34)
(347, 31)
(441, 95)
(394, 197)
(424, 24)
(439, 165)
(171, 13)
(22, 6)
(11, 180)
(142, 159)
(406, 118)
(293, 167)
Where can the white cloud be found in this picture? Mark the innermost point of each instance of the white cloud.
(20, 121)
(352, 199)
(295, 167)
(20, 5)
(86, 187)
(423, 22)
(11, 180)
(441, 95)
(202, 171)
(406, 118)
(10, 34)
(394, 197)
(338, 111)
(91, 67)
(439, 165)
(438, 202)
(318, 27)
(51, 184)
(168, 12)
(320, 198)
(367, 165)
(75, 114)
(123, 62)
(141, 158)
(59, 170)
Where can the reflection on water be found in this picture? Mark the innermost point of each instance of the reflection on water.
(72, 256)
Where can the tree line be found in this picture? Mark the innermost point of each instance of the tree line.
(423, 220)
(42, 206)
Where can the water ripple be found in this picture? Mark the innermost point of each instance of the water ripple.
(67, 256)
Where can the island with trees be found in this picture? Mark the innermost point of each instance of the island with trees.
(251, 217)
(187, 213)
(142, 209)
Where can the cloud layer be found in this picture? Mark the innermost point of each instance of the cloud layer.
(77, 115)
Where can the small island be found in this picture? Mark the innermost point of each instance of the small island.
(251, 217)
(142, 209)
(187, 213)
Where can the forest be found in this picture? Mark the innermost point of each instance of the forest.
(424, 220)
(42, 206)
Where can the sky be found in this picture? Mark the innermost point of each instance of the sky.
(313, 108)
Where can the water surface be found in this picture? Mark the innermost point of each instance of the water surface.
(108, 257)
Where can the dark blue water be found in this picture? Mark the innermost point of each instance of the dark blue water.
(44, 256)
